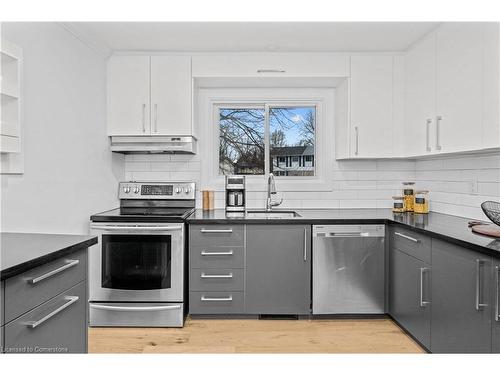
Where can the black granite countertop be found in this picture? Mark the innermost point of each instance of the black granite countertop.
(445, 227)
(21, 252)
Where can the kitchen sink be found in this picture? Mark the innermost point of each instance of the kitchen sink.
(278, 214)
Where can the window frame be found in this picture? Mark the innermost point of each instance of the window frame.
(267, 131)
(207, 116)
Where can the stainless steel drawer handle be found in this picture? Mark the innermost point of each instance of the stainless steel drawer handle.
(71, 263)
(212, 276)
(305, 244)
(216, 299)
(71, 300)
(407, 237)
(135, 308)
(203, 230)
(422, 302)
(216, 253)
(271, 71)
(479, 289)
(497, 296)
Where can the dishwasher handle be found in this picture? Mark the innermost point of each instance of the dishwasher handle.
(348, 231)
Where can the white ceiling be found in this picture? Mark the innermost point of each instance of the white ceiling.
(252, 36)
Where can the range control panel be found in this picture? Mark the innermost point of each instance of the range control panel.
(156, 190)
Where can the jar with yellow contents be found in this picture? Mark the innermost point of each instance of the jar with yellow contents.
(409, 195)
(421, 205)
(398, 204)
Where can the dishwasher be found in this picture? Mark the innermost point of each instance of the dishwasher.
(348, 269)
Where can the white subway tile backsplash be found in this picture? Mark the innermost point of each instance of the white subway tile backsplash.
(458, 185)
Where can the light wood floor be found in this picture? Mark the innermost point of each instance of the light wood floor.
(257, 336)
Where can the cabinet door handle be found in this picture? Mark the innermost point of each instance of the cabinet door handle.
(156, 117)
(71, 263)
(71, 300)
(203, 230)
(438, 132)
(227, 276)
(427, 134)
(407, 237)
(271, 71)
(216, 253)
(305, 244)
(216, 299)
(356, 130)
(422, 302)
(497, 296)
(479, 289)
(144, 118)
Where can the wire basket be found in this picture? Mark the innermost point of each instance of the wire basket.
(492, 210)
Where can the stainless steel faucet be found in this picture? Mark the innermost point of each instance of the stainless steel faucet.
(271, 190)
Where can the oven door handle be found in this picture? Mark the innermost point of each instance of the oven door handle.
(135, 308)
(134, 227)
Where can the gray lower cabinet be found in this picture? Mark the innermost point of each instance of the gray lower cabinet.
(496, 308)
(278, 269)
(461, 308)
(56, 326)
(409, 295)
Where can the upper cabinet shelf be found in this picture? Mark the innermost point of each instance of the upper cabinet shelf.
(10, 125)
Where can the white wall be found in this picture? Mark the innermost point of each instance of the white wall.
(460, 184)
(69, 171)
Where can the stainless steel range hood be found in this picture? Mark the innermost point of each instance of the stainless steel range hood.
(153, 144)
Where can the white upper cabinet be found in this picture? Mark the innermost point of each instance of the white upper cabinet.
(371, 130)
(491, 82)
(459, 87)
(271, 65)
(452, 90)
(149, 95)
(420, 97)
(171, 94)
(129, 95)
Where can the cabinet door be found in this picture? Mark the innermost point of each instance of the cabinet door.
(420, 96)
(371, 106)
(128, 95)
(496, 308)
(409, 295)
(461, 310)
(278, 269)
(171, 90)
(459, 59)
(491, 82)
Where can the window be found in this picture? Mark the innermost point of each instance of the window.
(256, 140)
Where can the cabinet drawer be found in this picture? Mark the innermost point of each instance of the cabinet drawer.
(59, 325)
(412, 243)
(216, 235)
(33, 287)
(216, 302)
(214, 279)
(217, 257)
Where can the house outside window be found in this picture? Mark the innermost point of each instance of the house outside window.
(256, 140)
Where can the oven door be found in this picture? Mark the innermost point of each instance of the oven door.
(137, 262)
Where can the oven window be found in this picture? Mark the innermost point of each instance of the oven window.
(136, 262)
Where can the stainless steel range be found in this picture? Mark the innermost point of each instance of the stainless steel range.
(137, 267)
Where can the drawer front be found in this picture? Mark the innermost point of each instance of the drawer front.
(412, 243)
(216, 303)
(33, 287)
(217, 257)
(136, 314)
(216, 235)
(214, 279)
(57, 326)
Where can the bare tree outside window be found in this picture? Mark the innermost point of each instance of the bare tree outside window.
(291, 141)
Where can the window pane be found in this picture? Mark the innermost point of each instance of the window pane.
(241, 141)
(292, 141)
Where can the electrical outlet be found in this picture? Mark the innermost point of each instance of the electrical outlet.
(474, 188)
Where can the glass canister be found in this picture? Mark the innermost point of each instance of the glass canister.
(398, 204)
(421, 205)
(409, 194)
